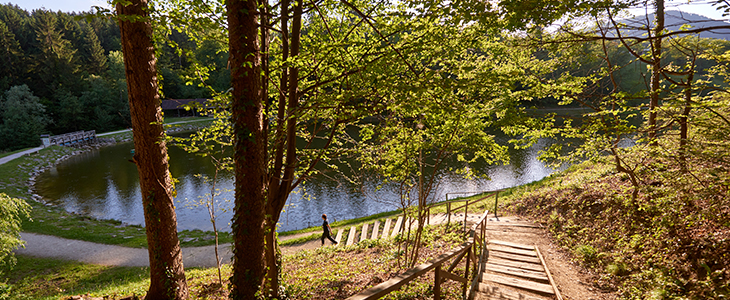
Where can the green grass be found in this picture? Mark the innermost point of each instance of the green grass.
(45, 278)
(41, 278)
(185, 119)
(339, 272)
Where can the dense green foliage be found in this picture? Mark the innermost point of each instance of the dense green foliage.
(73, 64)
(23, 118)
(11, 210)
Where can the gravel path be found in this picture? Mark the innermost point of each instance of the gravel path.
(39, 245)
(48, 246)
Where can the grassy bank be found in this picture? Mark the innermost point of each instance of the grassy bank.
(670, 242)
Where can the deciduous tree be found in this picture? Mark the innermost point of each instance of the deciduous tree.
(167, 276)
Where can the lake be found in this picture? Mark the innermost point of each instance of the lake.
(104, 184)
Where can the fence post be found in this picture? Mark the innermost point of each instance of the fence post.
(496, 198)
(466, 272)
(466, 212)
(437, 283)
(448, 212)
(428, 216)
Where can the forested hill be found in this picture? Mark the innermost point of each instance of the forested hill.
(674, 20)
(64, 72)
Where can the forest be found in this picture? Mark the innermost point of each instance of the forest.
(418, 81)
(72, 68)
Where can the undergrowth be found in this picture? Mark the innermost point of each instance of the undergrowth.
(670, 242)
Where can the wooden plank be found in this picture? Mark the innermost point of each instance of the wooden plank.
(397, 227)
(550, 277)
(339, 236)
(364, 234)
(376, 226)
(519, 283)
(518, 272)
(513, 224)
(490, 292)
(516, 257)
(513, 245)
(386, 228)
(516, 264)
(351, 236)
(530, 253)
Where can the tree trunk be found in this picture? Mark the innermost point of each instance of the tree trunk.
(167, 276)
(656, 70)
(249, 150)
(684, 124)
(281, 184)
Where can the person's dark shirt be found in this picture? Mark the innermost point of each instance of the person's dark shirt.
(325, 228)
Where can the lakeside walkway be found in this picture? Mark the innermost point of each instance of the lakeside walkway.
(19, 154)
(47, 246)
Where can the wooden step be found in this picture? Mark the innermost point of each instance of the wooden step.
(490, 292)
(515, 257)
(510, 250)
(519, 283)
(516, 264)
(513, 224)
(513, 245)
(535, 275)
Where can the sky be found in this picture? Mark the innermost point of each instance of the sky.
(701, 7)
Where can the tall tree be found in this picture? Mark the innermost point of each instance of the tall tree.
(24, 119)
(656, 69)
(92, 53)
(55, 67)
(167, 276)
(10, 57)
(249, 149)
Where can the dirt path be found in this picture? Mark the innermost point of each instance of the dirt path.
(572, 281)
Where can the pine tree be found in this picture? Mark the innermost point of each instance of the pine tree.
(54, 65)
(10, 57)
(92, 54)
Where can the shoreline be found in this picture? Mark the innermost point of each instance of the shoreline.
(100, 142)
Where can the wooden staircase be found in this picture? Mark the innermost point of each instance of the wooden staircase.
(515, 272)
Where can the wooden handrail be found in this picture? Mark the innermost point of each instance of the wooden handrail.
(467, 249)
(395, 283)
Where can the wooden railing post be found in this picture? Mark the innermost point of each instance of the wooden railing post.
(466, 212)
(466, 272)
(448, 213)
(496, 198)
(437, 283)
(428, 216)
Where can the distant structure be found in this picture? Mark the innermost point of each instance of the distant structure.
(176, 107)
(69, 139)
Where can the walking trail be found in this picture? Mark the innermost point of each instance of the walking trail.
(39, 245)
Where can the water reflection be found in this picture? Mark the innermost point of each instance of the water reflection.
(104, 184)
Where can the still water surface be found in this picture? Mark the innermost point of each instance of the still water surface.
(104, 184)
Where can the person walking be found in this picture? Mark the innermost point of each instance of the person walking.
(326, 230)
